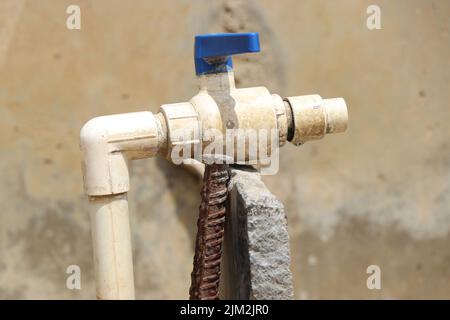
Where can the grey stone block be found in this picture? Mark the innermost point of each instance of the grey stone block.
(256, 259)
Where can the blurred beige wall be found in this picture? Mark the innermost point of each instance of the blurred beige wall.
(379, 194)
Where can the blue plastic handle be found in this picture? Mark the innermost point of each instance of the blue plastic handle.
(212, 52)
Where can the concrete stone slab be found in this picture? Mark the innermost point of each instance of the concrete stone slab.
(256, 260)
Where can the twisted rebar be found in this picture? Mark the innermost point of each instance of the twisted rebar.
(211, 221)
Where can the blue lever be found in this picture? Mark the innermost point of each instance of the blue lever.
(212, 52)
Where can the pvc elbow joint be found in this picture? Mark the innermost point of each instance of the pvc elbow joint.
(108, 142)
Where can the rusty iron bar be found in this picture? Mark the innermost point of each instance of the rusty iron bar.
(205, 276)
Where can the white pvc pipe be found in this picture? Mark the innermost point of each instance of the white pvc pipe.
(112, 247)
(107, 144)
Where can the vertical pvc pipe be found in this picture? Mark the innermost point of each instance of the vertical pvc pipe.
(111, 237)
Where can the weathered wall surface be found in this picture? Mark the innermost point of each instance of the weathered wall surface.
(379, 194)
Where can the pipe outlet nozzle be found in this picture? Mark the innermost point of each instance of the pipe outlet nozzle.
(313, 117)
(337, 115)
